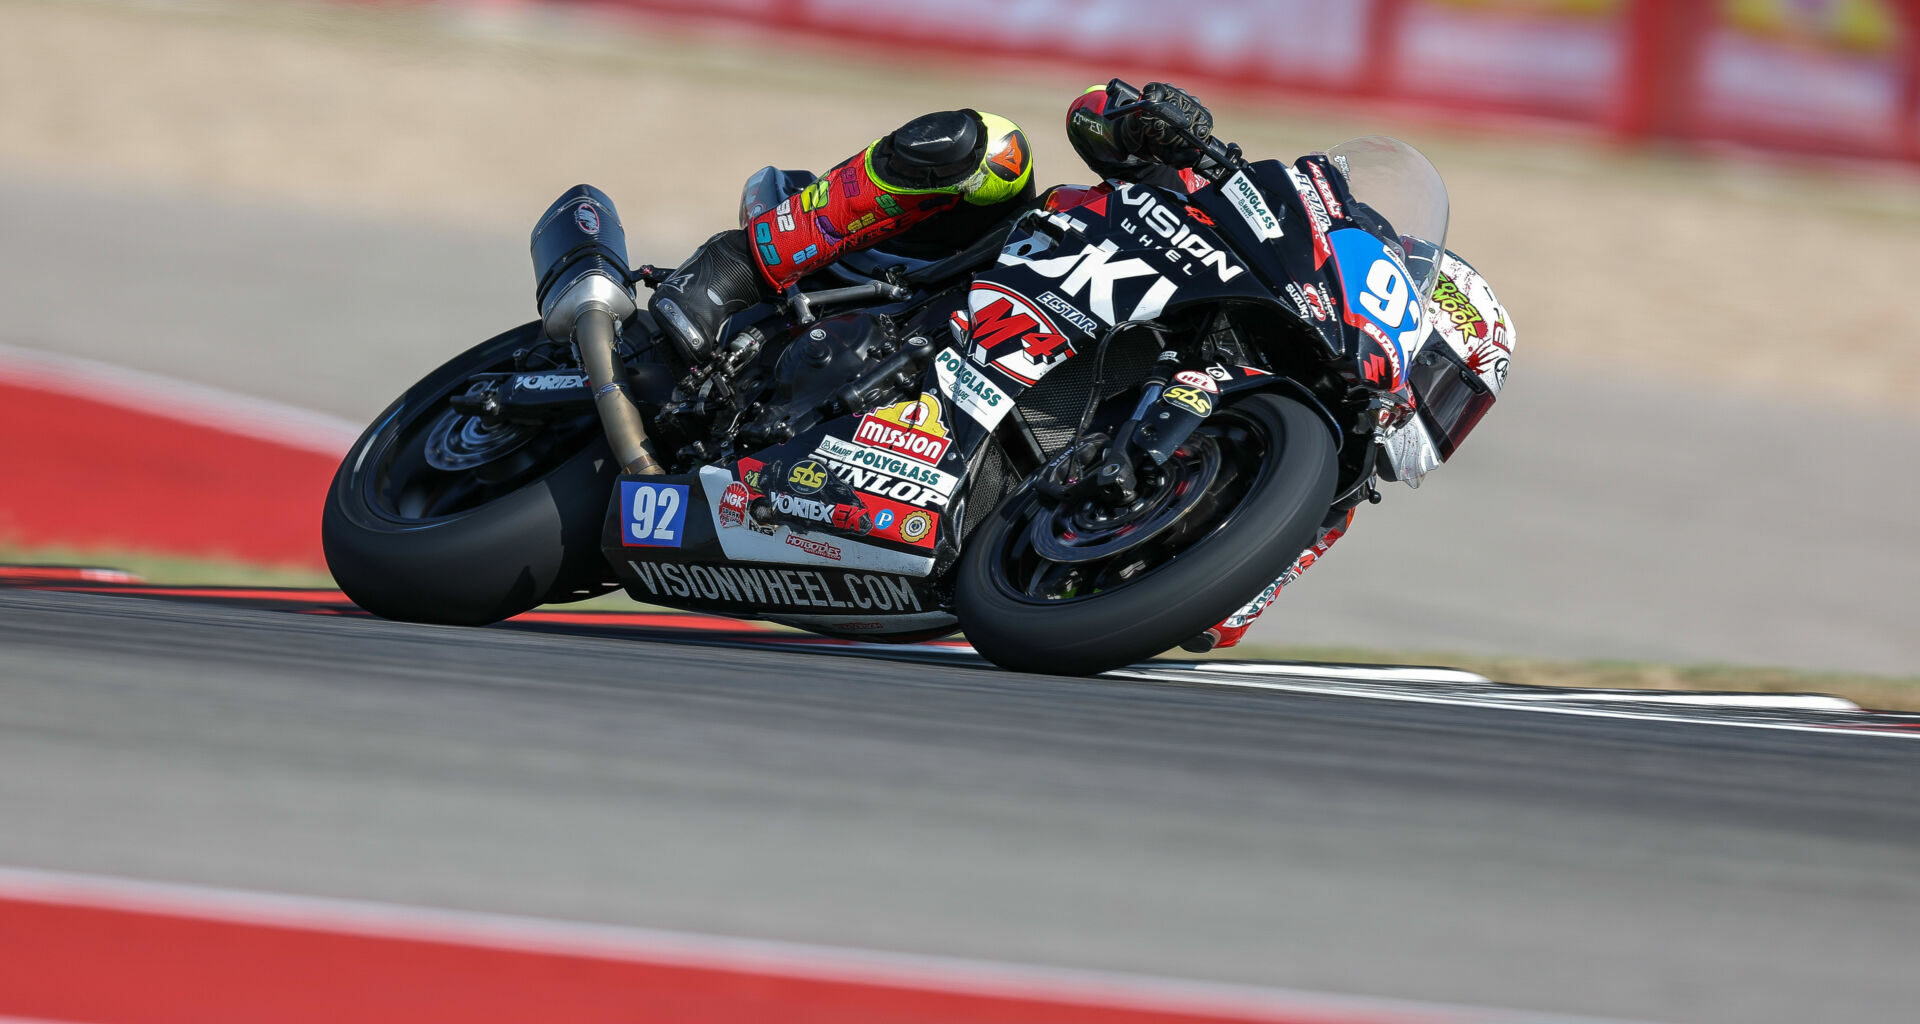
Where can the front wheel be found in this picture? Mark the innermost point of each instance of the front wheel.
(1229, 512)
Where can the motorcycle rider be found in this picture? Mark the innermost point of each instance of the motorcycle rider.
(939, 181)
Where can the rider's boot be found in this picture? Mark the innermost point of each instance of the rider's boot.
(716, 282)
(929, 165)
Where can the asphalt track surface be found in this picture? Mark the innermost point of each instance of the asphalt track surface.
(1648, 870)
(1590, 516)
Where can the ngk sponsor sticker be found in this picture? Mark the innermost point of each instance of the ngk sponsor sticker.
(733, 504)
(912, 428)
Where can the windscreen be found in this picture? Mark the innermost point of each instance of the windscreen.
(1402, 187)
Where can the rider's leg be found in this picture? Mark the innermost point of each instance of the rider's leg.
(933, 163)
(1235, 626)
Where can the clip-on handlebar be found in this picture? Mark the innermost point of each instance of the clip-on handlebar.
(1224, 155)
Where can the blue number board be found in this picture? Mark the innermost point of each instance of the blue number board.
(655, 515)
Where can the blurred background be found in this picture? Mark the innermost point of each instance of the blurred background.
(268, 218)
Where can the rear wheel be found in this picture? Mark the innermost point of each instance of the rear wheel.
(1069, 588)
(437, 516)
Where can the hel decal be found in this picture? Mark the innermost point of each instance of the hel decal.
(1194, 378)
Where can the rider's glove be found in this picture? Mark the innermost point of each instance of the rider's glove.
(1159, 129)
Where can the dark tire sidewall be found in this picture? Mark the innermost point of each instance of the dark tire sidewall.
(1178, 600)
(539, 543)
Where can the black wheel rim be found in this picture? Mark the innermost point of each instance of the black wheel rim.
(1219, 466)
(430, 462)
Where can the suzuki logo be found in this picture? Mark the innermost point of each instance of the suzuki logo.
(1094, 270)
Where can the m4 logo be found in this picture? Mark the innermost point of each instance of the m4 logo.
(1011, 332)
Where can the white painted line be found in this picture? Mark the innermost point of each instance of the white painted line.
(1368, 673)
(176, 399)
(1756, 701)
(1334, 689)
(759, 956)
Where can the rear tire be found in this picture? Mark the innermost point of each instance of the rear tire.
(1262, 533)
(494, 555)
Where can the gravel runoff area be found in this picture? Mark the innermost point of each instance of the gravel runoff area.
(1712, 273)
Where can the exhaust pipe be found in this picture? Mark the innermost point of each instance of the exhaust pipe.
(580, 262)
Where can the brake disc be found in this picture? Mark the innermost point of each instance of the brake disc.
(1083, 532)
(458, 442)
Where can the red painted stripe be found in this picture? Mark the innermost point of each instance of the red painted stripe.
(73, 957)
(18, 574)
(86, 473)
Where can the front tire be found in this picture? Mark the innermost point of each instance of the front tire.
(517, 527)
(1258, 526)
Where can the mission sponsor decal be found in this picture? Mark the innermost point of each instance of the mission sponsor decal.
(912, 428)
(778, 588)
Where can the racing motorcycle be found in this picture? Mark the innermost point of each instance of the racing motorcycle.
(1083, 439)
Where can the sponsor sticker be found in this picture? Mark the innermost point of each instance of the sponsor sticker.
(1194, 378)
(915, 526)
(550, 381)
(733, 505)
(655, 514)
(1252, 206)
(1011, 332)
(1094, 272)
(807, 477)
(1322, 186)
(1317, 217)
(756, 587)
(1189, 398)
(817, 548)
(912, 428)
(968, 388)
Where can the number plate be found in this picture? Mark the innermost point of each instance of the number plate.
(656, 514)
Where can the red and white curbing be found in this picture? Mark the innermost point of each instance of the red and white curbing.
(200, 404)
(117, 951)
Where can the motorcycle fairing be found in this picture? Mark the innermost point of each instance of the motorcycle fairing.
(1378, 299)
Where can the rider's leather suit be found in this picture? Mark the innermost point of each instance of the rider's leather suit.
(936, 183)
